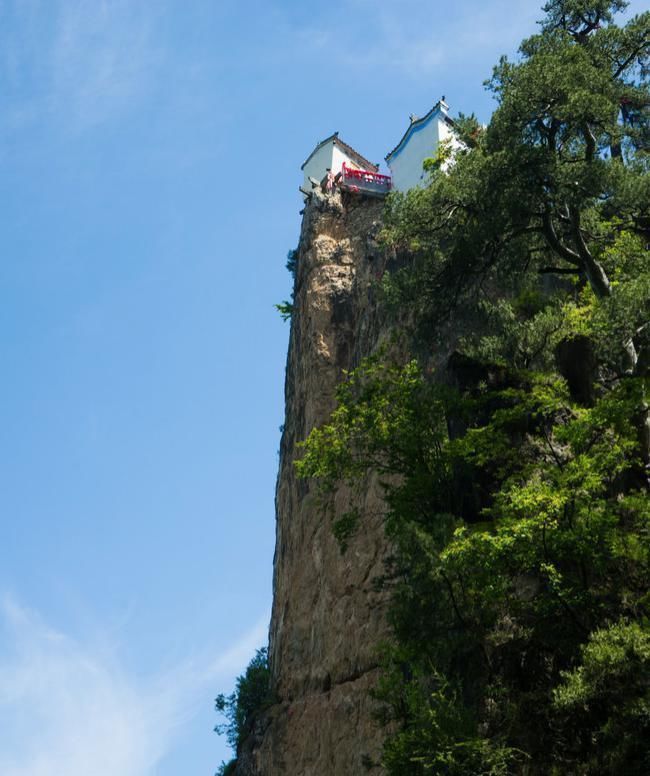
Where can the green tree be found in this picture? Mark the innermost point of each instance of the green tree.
(512, 542)
(252, 694)
(606, 701)
(556, 185)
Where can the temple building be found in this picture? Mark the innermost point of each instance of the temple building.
(330, 155)
(335, 164)
(420, 142)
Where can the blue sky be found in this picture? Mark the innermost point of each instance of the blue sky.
(149, 171)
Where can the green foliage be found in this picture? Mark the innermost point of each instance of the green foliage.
(495, 591)
(556, 185)
(468, 129)
(285, 308)
(345, 527)
(227, 769)
(252, 695)
(292, 263)
(517, 500)
(580, 16)
(605, 700)
(441, 737)
(377, 405)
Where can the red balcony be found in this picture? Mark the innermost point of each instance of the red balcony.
(364, 181)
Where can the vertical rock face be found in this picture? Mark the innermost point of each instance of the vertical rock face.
(327, 619)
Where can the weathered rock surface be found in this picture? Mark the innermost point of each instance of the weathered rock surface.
(327, 617)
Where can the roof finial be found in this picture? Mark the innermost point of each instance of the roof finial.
(413, 117)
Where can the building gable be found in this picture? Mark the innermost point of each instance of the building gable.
(419, 142)
(440, 109)
(354, 156)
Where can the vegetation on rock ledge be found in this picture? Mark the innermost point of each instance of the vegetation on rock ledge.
(252, 695)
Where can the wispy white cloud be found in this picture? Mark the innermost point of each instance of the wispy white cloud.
(68, 707)
(384, 47)
(77, 62)
(102, 58)
(415, 39)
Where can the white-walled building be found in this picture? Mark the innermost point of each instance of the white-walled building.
(331, 154)
(420, 142)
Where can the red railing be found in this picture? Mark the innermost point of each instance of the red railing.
(365, 180)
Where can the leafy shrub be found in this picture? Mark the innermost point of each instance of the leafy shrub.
(252, 695)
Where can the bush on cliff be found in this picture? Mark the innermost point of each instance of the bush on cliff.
(252, 695)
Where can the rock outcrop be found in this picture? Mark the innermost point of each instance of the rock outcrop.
(327, 617)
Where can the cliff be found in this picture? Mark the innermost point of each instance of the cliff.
(327, 618)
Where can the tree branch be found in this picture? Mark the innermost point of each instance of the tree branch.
(559, 271)
(622, 67)
(596, 275)
(590, 142)
(554, 241)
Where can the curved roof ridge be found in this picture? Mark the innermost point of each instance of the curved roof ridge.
(414, 125)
